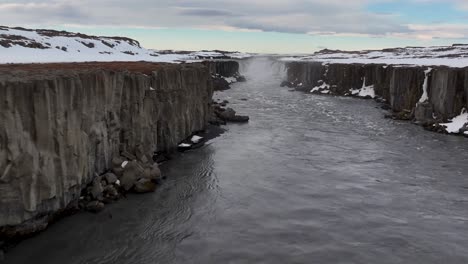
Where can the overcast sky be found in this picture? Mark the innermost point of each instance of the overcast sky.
(253, 25)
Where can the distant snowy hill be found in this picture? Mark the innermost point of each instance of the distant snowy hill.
(454, 56)
(20, 45)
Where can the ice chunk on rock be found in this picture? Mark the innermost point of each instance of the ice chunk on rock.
(196, 139)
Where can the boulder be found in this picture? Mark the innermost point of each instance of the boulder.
(144, 186)
(143, 159)
(132, 172)
(404, 115)
(155, 172)
(241, 78)
(220, 84)
(110, 178)
(160, 157)
(464, 129)
(423, 113)
(215, 121)
(386, 107)
(239, 119)
(95, 206)
(140, 154)
(128, 155)
(96, 189)
(111, 192)
(229, 115)
(287, 84)
(117, 161)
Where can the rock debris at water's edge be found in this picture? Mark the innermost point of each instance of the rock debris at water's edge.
(435, 97)
(92, 132)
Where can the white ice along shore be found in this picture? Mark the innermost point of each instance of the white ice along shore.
(19, 45)
(324, 88)
(453, 56)
(457, 123)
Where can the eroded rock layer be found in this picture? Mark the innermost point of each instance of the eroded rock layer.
(61, 125)
(430, 94)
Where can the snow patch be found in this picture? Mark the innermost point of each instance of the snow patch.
(324, 88)
(457, 123)
(69, 47)
(425, 95)
(184, 145)
(196, 139)
(453, 56)
(365, 91)
(124, 164)
(230, 80)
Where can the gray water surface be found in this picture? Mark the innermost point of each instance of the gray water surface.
(311, 179)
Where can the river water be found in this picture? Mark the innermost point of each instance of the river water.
(311, 179)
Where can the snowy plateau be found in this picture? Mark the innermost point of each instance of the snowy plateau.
(20, 45)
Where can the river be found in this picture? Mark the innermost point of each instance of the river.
(311, 179)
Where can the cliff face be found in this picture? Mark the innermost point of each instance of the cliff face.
(223, 68)
(426, 92)
(60, 127)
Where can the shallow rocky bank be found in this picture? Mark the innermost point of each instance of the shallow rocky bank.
(79, 136)
(224, 73)
(430, 96)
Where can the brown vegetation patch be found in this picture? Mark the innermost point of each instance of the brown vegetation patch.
(137, 67)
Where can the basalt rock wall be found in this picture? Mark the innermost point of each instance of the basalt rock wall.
(227, 68)
(401, 86)
(60, 127)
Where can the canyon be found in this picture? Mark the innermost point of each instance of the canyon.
(63, 124)
(311, 178)
(67, 122)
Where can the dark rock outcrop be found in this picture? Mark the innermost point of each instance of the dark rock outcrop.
(220, 84)
(402, 87)
(229, 115)
(61, 126)
(221, 70)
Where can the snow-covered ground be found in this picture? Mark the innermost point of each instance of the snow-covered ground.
(454, 56)
(19, 45)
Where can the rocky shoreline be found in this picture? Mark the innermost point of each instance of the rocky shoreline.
(434, 97)
(127, 119)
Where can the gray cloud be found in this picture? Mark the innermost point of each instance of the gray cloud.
(293, 16)
(41, 13)
(205, 12)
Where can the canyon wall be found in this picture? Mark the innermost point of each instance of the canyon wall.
(60, 125)
(227, 68)
(430, 94)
